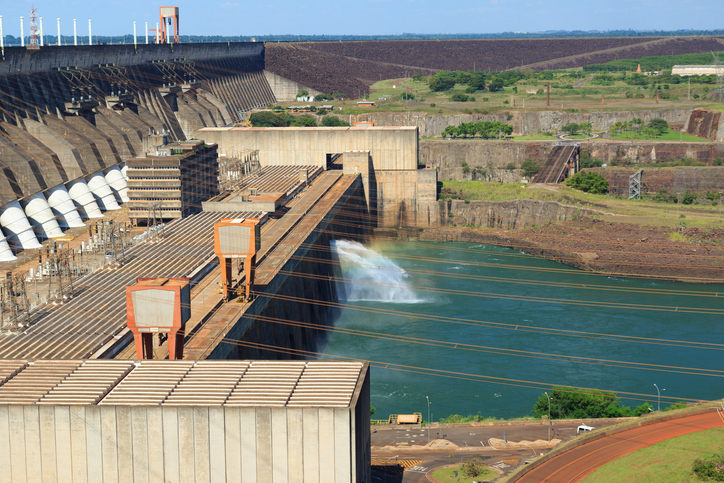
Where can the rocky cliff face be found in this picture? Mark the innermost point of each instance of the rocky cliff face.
(507, 214)
(524, 122)
(671, 180)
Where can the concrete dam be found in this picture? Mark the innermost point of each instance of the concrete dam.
(73, 116)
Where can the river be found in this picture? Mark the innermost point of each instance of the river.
(413, 290)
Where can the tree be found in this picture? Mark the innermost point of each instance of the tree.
(407, 96)
(585, 127)
(477, 81)
(659, 125)
(417, 77)
(571, 127)
(496, 85)
(588, 182)
(333, 121)
(442, 82)
(304, 121)
(303, 93)
(570, 403)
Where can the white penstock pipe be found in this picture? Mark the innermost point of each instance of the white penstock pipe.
(90, 36)
(22, 33)
(59, 41)
(134, 35)
(42, 42)
(75, 32)
(2, 40)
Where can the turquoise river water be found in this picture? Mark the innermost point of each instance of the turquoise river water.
(413, 291)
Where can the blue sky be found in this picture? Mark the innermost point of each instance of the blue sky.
(365, 17)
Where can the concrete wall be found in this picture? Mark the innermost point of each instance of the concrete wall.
(182, 444)
(407, 198)
(284, 89)
(390, 149)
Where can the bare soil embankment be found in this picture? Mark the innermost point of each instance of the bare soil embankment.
(622, 249)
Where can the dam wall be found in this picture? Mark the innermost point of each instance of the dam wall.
(71, 115)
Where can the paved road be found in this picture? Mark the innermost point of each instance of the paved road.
(575, 464)
(405, 448)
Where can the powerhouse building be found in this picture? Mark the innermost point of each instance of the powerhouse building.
(120, 420)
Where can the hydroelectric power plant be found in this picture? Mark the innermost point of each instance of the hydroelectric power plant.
(121, 243)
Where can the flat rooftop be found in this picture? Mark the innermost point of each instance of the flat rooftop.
(181, 383)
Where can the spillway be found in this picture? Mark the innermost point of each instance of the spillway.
(41, 216)
(17, 226)
(63, 208)
(86, 203)
(104, 195)
(117, 181)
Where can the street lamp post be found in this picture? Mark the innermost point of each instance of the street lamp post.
(658, 407)
(428, 419)
(549, 417)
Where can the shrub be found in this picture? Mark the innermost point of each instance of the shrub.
(470, 89)
(688, 198)
(407, 96)
(432, 104)
(711, 469)
(588, 182)
(466, 168)
(304, 121)
(510, 166)
(267, 119)
(530, 167)
(459, 98)
(333, 121)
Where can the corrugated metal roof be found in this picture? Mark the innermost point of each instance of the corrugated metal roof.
(9, 368)
(180, 383)
(149, 383)
(35, 381)
(266, 383)
(88, 383)
(208, 383)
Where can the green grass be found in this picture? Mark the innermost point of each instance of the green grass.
(447, 474)
(668, 461)
(667, 136)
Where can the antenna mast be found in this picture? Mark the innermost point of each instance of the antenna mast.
(34, 27)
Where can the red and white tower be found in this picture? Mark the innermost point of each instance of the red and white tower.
(34, 27)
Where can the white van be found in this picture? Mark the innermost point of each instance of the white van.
(584, 427)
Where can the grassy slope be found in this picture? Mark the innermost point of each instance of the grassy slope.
(622, 211)
(667, 136)
(668, 461)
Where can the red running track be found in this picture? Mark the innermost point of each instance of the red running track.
(578, 462)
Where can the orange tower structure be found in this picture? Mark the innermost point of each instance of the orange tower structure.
(158, 305)
(170, 14)
(236, 239)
